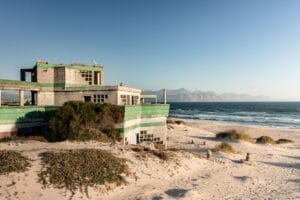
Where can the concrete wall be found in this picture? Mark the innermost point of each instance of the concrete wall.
(45, 75)
(149, 118)
(14, 118)
(46, 98)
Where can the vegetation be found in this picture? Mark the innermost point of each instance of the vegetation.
(234, 135)
(224, 147)
(145, 151)
(83, 121)
(12, 161)
(80, 169)
(283, 141)
(265, 140)
(178, 122)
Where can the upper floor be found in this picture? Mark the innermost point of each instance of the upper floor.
(63, 75)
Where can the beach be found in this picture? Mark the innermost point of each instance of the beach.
(273, 171)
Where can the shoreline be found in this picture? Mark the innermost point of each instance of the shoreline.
(234, 124)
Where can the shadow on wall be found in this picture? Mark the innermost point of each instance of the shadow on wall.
(35, 123)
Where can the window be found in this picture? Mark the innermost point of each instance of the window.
(87, 75)
(87, 99)
(144, 137)
(123, 99)
(135, 100)
(99, 98)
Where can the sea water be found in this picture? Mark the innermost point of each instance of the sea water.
(271, 114)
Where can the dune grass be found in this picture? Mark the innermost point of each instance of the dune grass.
(265, 140)
(13, 161)
(284, 141)
(178, 122)
(224, 147)
(159, 153)
(80, 169)
(234, 134)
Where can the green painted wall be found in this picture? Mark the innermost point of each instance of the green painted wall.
(15, 115)
(146, 111)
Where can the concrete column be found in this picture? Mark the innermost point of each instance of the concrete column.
(21, 97)
(0, 98)
(165, 96)
(99, 78)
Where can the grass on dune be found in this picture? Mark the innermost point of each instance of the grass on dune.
(234, 134)
(224, 147)
(265, 140)
(13, 161)
(283, 141)
(80, 169)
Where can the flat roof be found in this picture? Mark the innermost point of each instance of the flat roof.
(17, 85)
(77, 66)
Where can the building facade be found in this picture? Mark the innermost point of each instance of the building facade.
(51, 85)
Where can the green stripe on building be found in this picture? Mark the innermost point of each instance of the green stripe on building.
(142, 125)
(17, 115)
(146, 111)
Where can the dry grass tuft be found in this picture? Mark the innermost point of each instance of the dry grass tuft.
(234, 135)
(143, 152)
(224, 147)
(80, 169)
(265, 140)
(283, 141)
(13, 161)
(178, 122)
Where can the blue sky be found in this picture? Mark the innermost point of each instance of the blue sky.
(237, 46)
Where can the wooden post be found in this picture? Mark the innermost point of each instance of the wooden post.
(248, 157)
(0, 98)
(208, 154)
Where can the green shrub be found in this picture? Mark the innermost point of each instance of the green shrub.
(80, 169)
(224, 147)
(265, 140)
(86, 121)
(283, 141)
(234, 135)
(12, 161)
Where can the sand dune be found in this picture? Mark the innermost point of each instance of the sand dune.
(273, 173)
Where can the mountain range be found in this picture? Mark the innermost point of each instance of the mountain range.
(184, 95)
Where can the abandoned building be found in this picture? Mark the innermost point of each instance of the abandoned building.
(51, 85)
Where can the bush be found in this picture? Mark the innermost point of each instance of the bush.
(224, 147)
(86, 121)
(283, 141)
(80, 169)
(265, 140)
(234, 135)
(12, 161)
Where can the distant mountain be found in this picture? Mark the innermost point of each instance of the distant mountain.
(184, 95)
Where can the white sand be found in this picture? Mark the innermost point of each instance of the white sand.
(274, 171)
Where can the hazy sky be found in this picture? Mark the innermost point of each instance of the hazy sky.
(224, 46)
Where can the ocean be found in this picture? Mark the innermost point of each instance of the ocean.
(270, 114)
